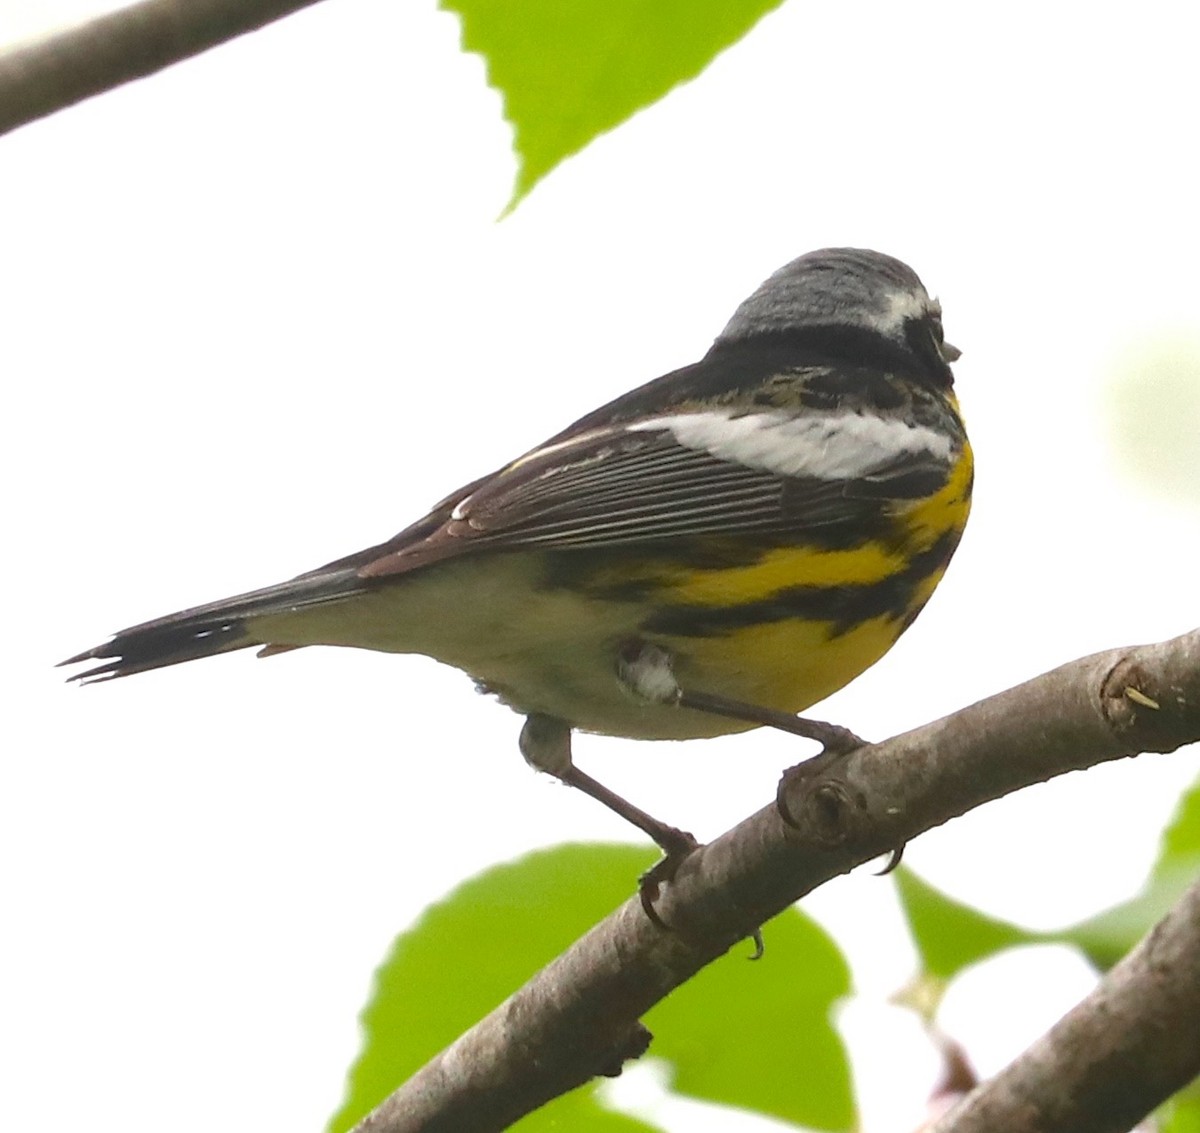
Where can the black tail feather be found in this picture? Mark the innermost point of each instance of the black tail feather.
(205, 631)
(137, 651)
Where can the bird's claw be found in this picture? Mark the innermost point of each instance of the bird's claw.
(680, 846)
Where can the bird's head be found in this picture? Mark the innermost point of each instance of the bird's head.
(848, 291)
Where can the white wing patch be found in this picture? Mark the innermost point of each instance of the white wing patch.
(827, 446)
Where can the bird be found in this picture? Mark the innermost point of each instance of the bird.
(719, 549)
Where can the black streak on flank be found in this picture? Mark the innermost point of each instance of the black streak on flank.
(843, 607)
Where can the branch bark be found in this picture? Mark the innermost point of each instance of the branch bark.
(1127, 1047)
(578, 1017)
(63, 68)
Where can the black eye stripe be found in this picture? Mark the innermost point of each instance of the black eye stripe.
(924, 337)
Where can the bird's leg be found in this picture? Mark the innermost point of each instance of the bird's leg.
(647, 670)
(836, 742)
(546, 746)
(833, 738)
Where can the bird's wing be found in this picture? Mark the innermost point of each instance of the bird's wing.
(833, 477)
(704, 472)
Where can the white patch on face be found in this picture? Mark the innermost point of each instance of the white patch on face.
(902, 306)
(827, 446)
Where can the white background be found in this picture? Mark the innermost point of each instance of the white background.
(257, 312)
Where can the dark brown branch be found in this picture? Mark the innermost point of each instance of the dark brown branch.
(579, 1016)
(47, 74)
(1127, 1047)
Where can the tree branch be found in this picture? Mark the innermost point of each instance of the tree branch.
(578, 1017)
(63, 68)
(1127, 1047)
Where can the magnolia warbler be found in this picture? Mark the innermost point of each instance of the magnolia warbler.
(720, 548)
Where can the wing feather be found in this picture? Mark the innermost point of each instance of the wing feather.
(618, 485)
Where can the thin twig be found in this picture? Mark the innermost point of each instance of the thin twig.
(61, 69)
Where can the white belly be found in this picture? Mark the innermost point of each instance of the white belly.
(539, 650)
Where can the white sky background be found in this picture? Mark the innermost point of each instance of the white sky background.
(257, 313)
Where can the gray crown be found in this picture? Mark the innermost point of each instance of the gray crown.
(833, 287)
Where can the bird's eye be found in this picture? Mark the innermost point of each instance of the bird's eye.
(927, 340)
(948, 353)
(934, 314)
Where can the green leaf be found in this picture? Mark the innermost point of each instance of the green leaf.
(759, 1035)
(470, 951)
(1106, 937)
(752, 1034)
(1182, 1113)
(1181, 839)
(950, 935)
(571, 69)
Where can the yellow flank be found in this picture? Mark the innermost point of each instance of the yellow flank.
(792, 663)
(946, 510)
(787, 665)
(783, 567)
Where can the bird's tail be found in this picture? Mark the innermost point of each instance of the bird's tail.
(218, 627)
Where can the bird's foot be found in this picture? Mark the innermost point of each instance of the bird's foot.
(677, 846)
